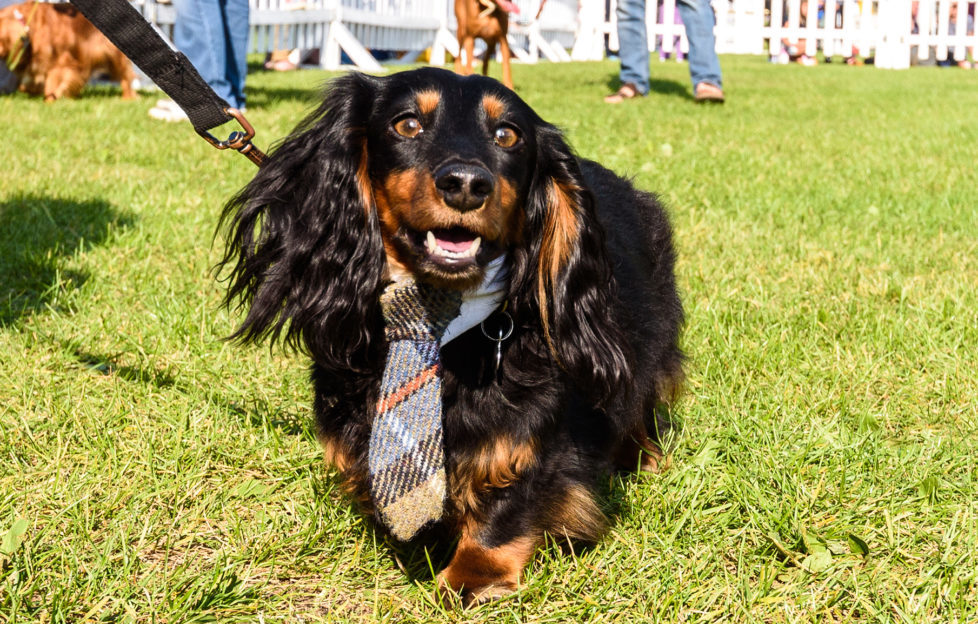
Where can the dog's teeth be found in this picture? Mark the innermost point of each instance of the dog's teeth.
(432, 247)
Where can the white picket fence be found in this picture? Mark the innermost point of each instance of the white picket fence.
(357, 26)
(885, 29)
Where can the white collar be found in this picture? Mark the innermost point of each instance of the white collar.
(479, 302)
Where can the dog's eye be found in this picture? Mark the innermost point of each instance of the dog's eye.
(408, 127)
(506, 136)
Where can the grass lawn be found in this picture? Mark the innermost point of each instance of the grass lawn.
(827, 223)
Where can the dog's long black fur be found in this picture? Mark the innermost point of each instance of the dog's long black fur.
(345, 200)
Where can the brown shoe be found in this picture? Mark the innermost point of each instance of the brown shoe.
(706, 92)
(626, 92)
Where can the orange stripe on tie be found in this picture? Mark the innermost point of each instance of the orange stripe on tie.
(387, 403)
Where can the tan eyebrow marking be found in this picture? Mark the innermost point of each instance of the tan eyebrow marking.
(494, 106)
(427, 101)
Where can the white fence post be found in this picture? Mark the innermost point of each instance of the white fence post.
(591, 27)
(740, 26)
(444, 41)
(893, 50)
(777, 19)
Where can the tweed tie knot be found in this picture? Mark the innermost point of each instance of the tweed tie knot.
(406, 455)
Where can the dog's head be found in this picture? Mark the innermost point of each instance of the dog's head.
(435, 174)
(449, 168)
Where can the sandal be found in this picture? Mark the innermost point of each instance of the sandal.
(707, 92)
(627, 91)
(281, 65)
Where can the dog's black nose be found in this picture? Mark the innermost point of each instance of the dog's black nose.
(464, 187)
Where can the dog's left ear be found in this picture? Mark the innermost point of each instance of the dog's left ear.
(303, 241)
(569, 273)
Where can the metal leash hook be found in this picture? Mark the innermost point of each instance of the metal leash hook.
(240, 141)
(504, 333)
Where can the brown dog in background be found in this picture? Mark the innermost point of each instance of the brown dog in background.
(487, 21)
(53, 50)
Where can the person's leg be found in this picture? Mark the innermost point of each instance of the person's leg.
(704, 66)
(198, 32)
(237, 30)
(633, 42)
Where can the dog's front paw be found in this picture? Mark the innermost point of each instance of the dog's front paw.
(474, 595)
(478, 574)
(638, 452)
(652, 460)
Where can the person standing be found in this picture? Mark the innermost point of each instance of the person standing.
(213, 35)
(704, 66)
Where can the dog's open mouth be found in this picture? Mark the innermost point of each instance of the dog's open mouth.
(452, 257)
(454, 245)
(450, 248)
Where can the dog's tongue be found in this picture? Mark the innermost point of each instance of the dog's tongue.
(454, 241)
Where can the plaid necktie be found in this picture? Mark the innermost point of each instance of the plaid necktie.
(406, 455)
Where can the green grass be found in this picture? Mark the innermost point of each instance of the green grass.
(827, 225)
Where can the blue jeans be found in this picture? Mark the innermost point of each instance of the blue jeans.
(213, 34)
(697, 16)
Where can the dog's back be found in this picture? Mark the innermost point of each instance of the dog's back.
(491, 24)
(639, 243)
(472, 22)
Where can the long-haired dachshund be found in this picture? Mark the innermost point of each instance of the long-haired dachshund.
(53, 50)
(438, 177)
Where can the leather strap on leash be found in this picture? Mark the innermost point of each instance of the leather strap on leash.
(171, 71)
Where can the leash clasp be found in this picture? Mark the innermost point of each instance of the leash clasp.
(504, 331)
(237, 140)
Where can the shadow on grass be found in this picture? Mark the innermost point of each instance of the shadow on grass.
(657, 86)
(265, 96)
(98, 90)
(431, 551)
(36, 234)
(108, 366)
(102, 90)
(255, 413)
(421, 559)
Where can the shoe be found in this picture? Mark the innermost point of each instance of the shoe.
(807, 61)
(281, 65)
(627, 91)
(167, 110)
(706, 92)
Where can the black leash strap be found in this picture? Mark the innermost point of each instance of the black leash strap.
(171, 71)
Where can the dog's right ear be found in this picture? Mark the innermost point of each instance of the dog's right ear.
(303, 244)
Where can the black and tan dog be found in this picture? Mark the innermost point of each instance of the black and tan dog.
(437, 175)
